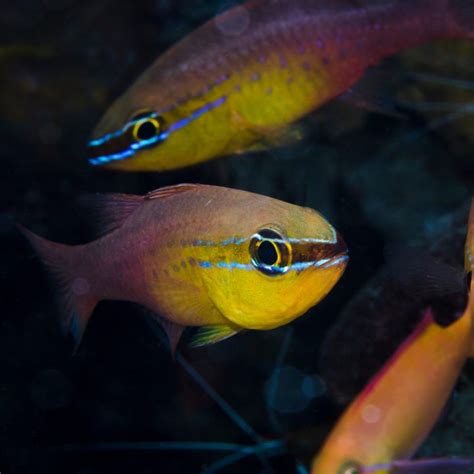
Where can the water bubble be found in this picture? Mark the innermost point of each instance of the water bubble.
(289, 390)
(80, 286)
(371, 414)
(234, 23)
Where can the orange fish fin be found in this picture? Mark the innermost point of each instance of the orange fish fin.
(469, 266)
(212, 334)
(169, 191)
(469, 248)
(77, 299)
(110, 210)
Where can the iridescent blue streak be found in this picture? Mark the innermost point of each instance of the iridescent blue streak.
(118, 133)
(134, 147)
(298, 266)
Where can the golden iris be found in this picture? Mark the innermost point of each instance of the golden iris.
(146, 128)
(270, 252)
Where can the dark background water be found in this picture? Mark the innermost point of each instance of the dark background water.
(377, 178)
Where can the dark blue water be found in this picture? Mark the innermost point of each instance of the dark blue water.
(122, 404)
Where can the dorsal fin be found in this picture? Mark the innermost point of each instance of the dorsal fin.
(169, 191)
(110, 211)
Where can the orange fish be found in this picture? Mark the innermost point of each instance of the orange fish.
(217, 258)
(384, 426)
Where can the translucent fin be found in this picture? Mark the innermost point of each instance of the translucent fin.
(369, 95)
(463, 15)
(414, 269)
(286, 137)
(212, 334)
(469, 248)
(469, 266)
(110, 211)
(169, 191)
(78, 300)
(173, 331)
(425, 466)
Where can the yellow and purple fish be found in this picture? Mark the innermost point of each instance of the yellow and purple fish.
(199, 255)
(385, 425)
(234, 84)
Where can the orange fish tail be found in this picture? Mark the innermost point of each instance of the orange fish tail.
(462, 17)
(64, 262)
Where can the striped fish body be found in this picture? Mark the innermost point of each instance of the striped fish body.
(238, 80)
(201, 256)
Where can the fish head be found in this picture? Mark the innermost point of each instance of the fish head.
(285, 260)
(157, 134)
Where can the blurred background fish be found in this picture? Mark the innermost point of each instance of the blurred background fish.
(233, 84)
(398, 408)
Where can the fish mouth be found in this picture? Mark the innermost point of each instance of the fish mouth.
(336, 261)
(337, 255)
(321, 254)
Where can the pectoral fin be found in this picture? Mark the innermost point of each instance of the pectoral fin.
(212, 334)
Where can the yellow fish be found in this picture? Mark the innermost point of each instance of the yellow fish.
(385, 425)
(236, 83)
(200, 255)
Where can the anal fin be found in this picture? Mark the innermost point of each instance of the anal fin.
(211, 334)
(172, 330)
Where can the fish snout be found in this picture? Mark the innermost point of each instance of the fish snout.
(335, 254)
(321, 254)
(109, 148)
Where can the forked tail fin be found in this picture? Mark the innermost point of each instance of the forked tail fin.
(77, 300)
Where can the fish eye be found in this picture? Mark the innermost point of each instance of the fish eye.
(350, 468)
(270, 252)
(146, 128)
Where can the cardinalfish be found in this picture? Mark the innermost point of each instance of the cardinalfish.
(196, 255)
(236, 83)
(388, 421)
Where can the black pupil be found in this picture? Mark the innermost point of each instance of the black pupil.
(146, 130)
(267, 253)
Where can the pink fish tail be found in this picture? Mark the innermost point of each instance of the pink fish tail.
(65, 264)
(461, 14)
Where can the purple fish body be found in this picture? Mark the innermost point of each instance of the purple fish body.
(198, 255)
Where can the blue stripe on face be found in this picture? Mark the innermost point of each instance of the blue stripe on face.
(110, 136)
(297, 267)
(134, 147)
